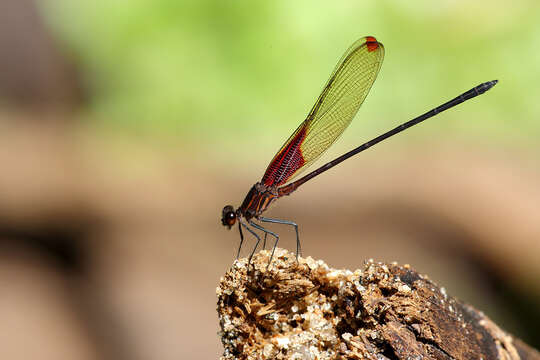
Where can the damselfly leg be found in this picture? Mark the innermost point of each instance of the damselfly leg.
(241, 240)
(286, 222)
(266, 231)
(256, 244)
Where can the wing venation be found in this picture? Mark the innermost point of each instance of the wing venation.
(333, 111)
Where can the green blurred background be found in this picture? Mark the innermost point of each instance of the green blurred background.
(127, 126)
(207, 70)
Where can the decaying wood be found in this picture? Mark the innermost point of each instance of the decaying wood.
(307, 310)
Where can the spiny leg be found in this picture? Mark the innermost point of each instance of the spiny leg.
(266, 231)
(256, 244)
(264, 241)
(286, 222)
(241, 240)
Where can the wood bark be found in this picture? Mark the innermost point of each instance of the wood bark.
(307, 310)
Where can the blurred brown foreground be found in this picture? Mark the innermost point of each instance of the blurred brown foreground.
(102, 261)
(112, 251)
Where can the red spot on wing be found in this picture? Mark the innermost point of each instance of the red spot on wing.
(286, 162)
(371, 43)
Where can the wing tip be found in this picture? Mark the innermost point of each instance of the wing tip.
(372, 43)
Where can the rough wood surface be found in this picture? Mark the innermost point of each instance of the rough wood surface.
(307, 310)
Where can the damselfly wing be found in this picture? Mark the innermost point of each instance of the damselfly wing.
(332, 113)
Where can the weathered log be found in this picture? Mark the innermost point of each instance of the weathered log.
(307, 310)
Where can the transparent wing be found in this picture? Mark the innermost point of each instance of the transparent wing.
(334, 110)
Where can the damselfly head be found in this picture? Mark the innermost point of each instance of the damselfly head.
(228, 216)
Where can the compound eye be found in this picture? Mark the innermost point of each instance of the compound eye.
(231, 219)
(228, 216)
